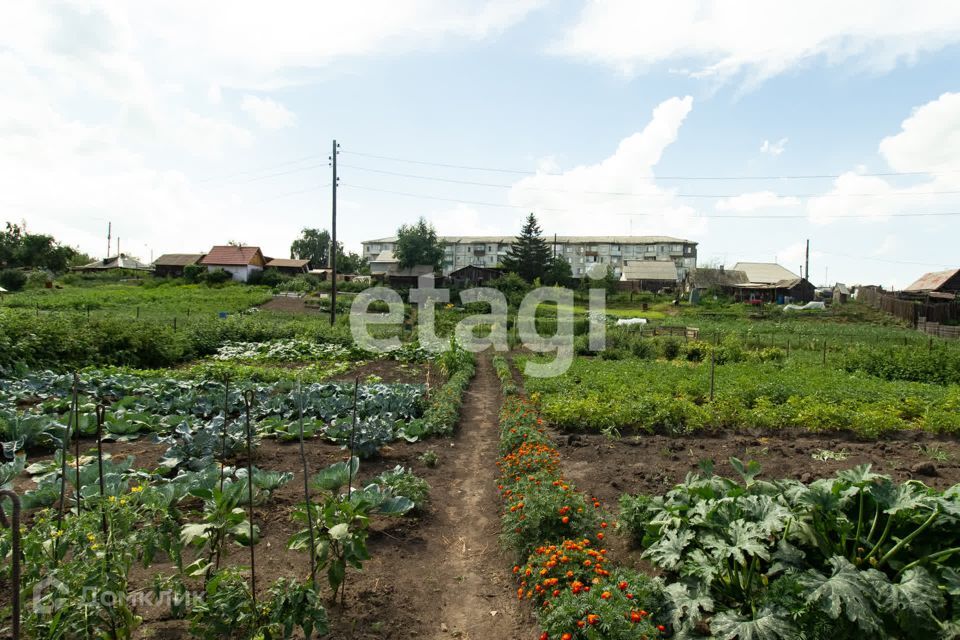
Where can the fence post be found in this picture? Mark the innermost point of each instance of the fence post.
(174, 323)
(713, 364)
(788, 347)
(824, 351)
(138, 313)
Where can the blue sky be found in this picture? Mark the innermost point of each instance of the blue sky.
(187, 126)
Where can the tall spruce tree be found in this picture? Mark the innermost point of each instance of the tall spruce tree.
(529, 257)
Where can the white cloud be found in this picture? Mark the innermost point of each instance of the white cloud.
(99, 98)
(268, 113)
(927, 142)
(215, 94)
(464, 220)
(756, 201)
(774, 148)
(722, 39)
(584, 200)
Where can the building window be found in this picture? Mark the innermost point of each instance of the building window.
(373, 248)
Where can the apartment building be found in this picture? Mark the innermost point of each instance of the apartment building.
(579, 251)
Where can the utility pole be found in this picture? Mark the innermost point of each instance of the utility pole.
(333, 238)
(109, 244)
(806, 268)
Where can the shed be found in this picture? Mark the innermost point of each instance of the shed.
(841, 293)
(239, 262)
(936, 282)
(115, 263)
(765, 272)
(650, 275)
(291, 266)
(786, 290)
(173, 264)
(384, 263)
(410, 276)
(473, 275)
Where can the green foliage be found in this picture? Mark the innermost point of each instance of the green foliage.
(21, 249)
(341, 521)
(429, 458)
(614, 608)
(443, 411)
(936, 366)
(229, 611)
(558, 272)
(529, 255)
(217, 276)
(12, 279)
(403, 482)
(850, 554)
(512, 286)
(675, 397)
(418, 244)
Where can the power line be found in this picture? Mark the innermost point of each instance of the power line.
(291, 193)
(920, 264)
(260, 170)
(728, 216)
(639, 195)
(887, 174)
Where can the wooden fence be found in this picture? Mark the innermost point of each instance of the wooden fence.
(930, 318)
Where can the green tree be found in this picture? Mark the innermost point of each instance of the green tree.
(529, 256)
(314, 245)
(34, 251)
(558, 271)
(418, 244)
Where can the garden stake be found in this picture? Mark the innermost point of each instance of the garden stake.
(248, 403)
(353, 433)
(76, 433)
(63, 465)
(306, 490)
(101, 415)
(14, 526)
(223, 430)
(713, 365)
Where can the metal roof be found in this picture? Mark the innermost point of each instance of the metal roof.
(549, 240)
(934, 281)
(705, 278)
(229, 255)
(121, 261)
(177, 259)
(765, 272)
(385, 256)
(649, 270)
(288, 263)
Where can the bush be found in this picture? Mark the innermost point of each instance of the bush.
(403, 482)
(615, 608)
(536, 516)
(12, 279)
(217, 276)
(193, 273)
(671, 348)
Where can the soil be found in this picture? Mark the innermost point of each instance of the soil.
(653, 464)
(437, 574)
(290, 305)
(393, 372)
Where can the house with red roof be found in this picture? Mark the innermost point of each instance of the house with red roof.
(239, 262)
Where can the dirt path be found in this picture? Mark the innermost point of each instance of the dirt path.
(475, 600)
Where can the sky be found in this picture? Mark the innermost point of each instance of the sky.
(745, 125)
